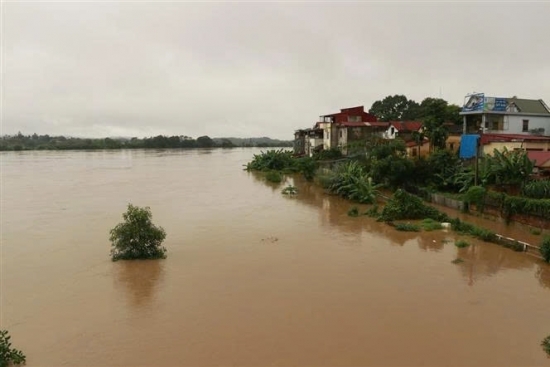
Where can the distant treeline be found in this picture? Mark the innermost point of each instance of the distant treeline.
(46, 142)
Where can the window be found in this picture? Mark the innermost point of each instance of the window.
(525, 126)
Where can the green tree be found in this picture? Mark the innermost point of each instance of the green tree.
(509, 168)
(205, 142)
(226, 143)
(435, 113)
(137, 237)
(395, 108)
(8, 355)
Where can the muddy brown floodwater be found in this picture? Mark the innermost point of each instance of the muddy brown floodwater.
(252, 278)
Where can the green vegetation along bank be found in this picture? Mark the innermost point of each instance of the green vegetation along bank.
(384, 165)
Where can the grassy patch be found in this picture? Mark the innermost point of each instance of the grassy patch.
(536, 231)
(461, 244)
(429, 224)
(407, 227)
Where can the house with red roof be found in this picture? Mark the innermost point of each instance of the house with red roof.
(350, 124)
(403, 129)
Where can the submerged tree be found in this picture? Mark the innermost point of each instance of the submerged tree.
(137, 237)
(8, 355)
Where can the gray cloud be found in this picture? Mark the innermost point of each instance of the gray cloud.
(254, 69)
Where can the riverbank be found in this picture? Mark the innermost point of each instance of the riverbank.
(353, 180)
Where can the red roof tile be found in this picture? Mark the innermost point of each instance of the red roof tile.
(540, 158)
(407, 125)
(487, 138)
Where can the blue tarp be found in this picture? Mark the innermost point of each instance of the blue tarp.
(468, 146)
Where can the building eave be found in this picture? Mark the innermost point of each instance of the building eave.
(504, 113)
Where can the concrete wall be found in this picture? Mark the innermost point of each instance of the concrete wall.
(511, 145)
(312, 143)
(515, 123)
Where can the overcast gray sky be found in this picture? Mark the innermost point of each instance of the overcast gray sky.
(255, 69)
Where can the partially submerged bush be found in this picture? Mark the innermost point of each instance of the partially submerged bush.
(282, 161)
(137, 237)
(407, 227)
(353, 212)
(458, 260)
(545, 344)
(289, 190)
(274, 176)
(276, 160)
(8, 355)
(545, 249)
(461, 244)
(350, 181)
(373, 212)
(406, 206)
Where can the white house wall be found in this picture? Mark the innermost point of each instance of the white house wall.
(513, 124)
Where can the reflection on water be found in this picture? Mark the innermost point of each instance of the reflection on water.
(139, 280)
(543, 274)
(332, 290)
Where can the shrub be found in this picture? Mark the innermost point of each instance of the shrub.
(373, 212)
(282, 161)
(407, 227)
(137, 237)
(429, 224)
(537, 189)
(476, 195)
(545, 344)
(545, 249)
(536, 231)
(353, 212)
(461, 244)
(406, 206)
(276, 160)
(8, 355)
(350, 181)
(274, 176)
(483, 234)
(289, 190)
(330, 154)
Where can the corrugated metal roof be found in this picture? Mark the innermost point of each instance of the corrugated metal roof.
(530, 105)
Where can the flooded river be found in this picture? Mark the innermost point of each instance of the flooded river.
(252, 278)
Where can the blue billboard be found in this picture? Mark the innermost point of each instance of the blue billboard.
(479, 103)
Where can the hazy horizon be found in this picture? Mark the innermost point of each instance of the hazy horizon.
(254, 69)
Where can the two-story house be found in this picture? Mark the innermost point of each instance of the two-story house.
(483, 114)
(348, 125)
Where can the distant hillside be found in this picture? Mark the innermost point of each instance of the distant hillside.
(256, 142)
